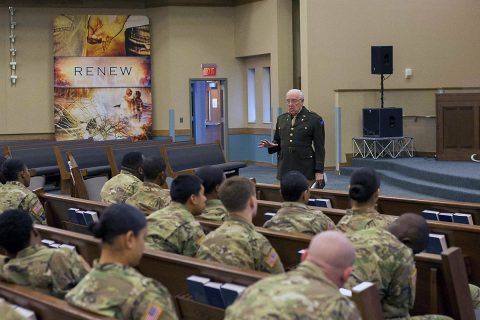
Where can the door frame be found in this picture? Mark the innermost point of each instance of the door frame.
(225, 109)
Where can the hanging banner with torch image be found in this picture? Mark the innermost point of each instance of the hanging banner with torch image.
(102, 77)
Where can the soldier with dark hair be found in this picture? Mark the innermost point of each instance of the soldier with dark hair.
(212, 178)
(51, 271)
(236, 242)
(174, 228)
(364, 190)
(114, 288)
(295, 215)
(14, 194)
(127, 182)
(150, 195)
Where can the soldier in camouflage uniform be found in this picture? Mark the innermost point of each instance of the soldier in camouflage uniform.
(114, 288)
(383, 257)
(125, 184)
(150, 195)
(212, 178)
(309, 292)
(236, 242)
(363, 192)
(14, 193)
(174, 228)
(295, 215)
(51, 271)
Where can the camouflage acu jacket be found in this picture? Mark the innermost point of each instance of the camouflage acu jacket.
(150, 197)
(360, 219)
(51, 271)
(121, 292)
(382, 259)
(14, 195)
(8, 312)
(298, 217)
(174, 229)
(214, 210)
(237, 243)
(120, 187)
(304, 293)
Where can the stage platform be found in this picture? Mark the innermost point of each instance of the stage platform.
(420, 178)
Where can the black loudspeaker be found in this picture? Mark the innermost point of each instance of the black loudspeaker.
(382, 59)
(381, 123)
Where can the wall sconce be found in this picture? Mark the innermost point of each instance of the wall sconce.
(12, 49)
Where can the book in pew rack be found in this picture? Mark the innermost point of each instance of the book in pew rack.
(214, 294)
(464, 218)
(437, 243)
(230, 292)
(196, 287)
(430, 215)
(445, 217)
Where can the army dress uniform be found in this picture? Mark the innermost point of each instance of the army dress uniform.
(214, 210)
(361, 219)
(298, 217)
(237, 243)
(304, 293)
(301, 145)
(51, 271)
(150, 197)
(174, 229)
(14, 195)
(120, 187)
(119, 291)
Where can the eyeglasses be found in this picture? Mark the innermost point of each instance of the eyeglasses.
(293, 100)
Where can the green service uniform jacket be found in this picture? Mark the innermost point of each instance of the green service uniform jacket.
(301, 147)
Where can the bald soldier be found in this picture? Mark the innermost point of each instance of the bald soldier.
(385, 257)
(150, 195)
(28, 263)
(295, 215)
(364, 190)
(212, 178)
(236, 242)
(125, 184)
(308, 292)
(14, 194)
(174, 228)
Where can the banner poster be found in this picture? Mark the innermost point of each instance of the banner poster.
(102, 77)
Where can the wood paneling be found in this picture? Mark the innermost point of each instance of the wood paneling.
(458, 126)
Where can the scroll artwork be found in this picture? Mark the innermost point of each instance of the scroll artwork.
(102, 77)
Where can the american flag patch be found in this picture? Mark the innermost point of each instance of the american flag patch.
(272, 258)
(37, 208)
(154, 312)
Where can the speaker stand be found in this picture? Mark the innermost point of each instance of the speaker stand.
(382, 78)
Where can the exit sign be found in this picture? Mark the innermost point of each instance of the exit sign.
(209, 69)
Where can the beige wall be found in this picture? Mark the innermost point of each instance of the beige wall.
(182, 39)
(437, 38)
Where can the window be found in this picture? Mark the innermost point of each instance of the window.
(252, 106)
(267, 108)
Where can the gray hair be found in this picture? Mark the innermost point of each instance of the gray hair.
(297, 92)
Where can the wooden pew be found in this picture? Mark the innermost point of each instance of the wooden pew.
(168, 268)
(185, 159)
(367, 299)
(465, 237)
(45, 307)
(387, 205)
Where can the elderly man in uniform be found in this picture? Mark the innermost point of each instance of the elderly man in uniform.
(14, 194)
(150, 195)
(295, 215)
(51, 271)
(236, 242)
(212, 178)
(299, 140)
(127, 182)
(308, 292)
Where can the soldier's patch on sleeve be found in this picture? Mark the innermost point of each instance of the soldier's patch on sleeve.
(272, 258)
(154, 312)
(37, 208)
